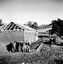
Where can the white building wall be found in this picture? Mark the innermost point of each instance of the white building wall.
(30, 36)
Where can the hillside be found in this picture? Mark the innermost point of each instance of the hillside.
(44, 26)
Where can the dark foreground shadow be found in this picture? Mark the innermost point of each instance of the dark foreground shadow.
(56, 61)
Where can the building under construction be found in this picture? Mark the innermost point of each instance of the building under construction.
(15, 32)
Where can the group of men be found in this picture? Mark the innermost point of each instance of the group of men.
(18, 47)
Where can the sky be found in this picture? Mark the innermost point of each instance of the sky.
(22, 11)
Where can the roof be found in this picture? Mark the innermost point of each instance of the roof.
(13, 25)
(3, 27)
(26, 27)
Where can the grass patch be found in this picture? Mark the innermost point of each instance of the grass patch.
(45, 56)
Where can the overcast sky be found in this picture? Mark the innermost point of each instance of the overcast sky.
(40, 11)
